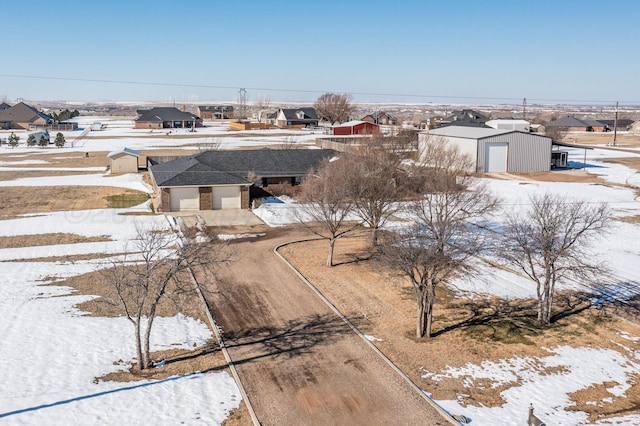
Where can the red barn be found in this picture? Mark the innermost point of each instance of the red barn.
(356, 127)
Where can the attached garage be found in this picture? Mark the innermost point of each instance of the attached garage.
(226, 197)
(185, 199)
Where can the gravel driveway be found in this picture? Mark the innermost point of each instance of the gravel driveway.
(299, 362)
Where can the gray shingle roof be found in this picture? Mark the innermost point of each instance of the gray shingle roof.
(233, 167)
(571, 121)
(4, 105)
(309, 114)
(22, 113)
(165, 114)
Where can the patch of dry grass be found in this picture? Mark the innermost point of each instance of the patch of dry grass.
(47, 239)
(16, 201)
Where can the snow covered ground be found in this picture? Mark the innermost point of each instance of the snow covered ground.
(50, 353)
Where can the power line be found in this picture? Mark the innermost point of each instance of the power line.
(272, 89)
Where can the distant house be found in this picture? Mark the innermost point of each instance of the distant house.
(355, 127)
(622, 124)
(509, 124)
(215, 180)
(570, 123)
(124, 160)
(380, 117)
(216, 112)
(4, 106)
(635, 128)
(465, 117)
(299, 117)
(166, 118)
(23, 116)
(493, 150)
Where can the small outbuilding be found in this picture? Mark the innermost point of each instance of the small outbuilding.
(494, 150)
(124, 160)
(509, 124)
(356, 127)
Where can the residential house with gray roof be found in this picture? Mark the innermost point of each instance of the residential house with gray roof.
(23, 116)
(215, 180)
(299, 117)
(166, 118)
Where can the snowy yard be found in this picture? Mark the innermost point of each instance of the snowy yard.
(51, 352)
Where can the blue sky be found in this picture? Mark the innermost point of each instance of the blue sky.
(560, 51)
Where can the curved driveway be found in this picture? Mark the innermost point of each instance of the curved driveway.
(298, 361)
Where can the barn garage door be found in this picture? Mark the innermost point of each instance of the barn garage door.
(226, 197)
(185, 199)
(495, 157)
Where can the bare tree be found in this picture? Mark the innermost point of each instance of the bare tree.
(442, 240)
(334, 107)
(550, 241)
(372, 178)
(326, 205)
(151, 270)
(262, 106)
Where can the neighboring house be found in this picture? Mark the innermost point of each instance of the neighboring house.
(23, 116)
(635, 128)
(4, 106)
(510, 124)
(299, 117)
(465, 117)
(216, 180)
(216, 112)
(355, 127)
(622, 124)
(570, 123)
(493, 150)
(536, 128)
(124, 160)
(166, 118)
(380, 117)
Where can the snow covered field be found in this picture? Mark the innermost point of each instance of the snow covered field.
(50, 352)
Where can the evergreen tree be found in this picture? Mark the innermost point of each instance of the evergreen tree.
(13, 140)
(43, 142)
(31, 140)
(60, 140)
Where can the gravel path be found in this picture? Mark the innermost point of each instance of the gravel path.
(299, 362)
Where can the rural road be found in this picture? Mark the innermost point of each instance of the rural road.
(298, 361)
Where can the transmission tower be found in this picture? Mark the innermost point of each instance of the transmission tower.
(242, 103)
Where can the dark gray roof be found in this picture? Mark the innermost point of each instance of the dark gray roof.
(22, 113)
(622, 122)
(4, 105)
(310, 114)
(233, 167)
(165, 114)
(572, 121)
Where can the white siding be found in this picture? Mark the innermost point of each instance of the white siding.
(466, 146)
(185, 199)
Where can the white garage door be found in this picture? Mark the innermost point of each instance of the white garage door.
(226, 197)
(185, 199)
(495, 157)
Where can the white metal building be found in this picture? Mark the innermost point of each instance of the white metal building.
(494, 150)
(509, 124)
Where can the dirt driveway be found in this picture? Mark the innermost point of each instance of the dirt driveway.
(299, 362)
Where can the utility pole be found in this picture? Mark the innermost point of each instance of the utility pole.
(242, 103)
(615, 126)
(524, 109)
